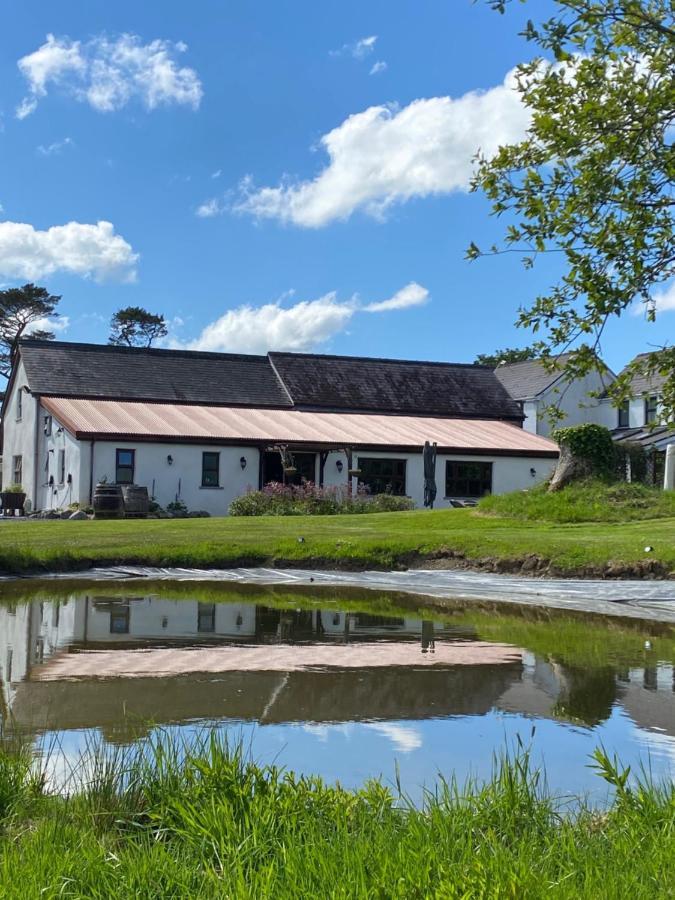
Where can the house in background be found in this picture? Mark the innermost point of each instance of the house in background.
(538, 388)
(639, 421)
(203, 428)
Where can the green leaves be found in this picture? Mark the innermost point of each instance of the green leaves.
(593, 181)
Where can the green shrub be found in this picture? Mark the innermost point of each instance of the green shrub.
(592, 443)
(309, 499)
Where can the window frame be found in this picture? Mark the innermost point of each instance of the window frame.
(62, 466)
(205, 482)
(119, 465)
(206, 611)
(623, 415)
(17, 469)
(468, 495)
(651, 409)
(395, 479)
(19, 404)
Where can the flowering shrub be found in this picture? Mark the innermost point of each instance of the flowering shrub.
(308, 499)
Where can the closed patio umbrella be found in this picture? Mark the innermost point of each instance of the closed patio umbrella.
(429, 458)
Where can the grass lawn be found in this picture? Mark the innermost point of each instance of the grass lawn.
(203, 821)
(382, 540)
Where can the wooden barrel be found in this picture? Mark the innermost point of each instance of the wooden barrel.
(136, 501)
(108, 502)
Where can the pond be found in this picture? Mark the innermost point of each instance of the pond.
(343, 684)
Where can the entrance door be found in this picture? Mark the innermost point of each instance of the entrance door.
(272, 469)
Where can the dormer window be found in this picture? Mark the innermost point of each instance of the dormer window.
(624, 417)
(651, 408)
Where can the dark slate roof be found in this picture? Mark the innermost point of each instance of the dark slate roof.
(643, 384)
(303, 381)
(524, 380)
(646, 437)
(393, 385)
(177, 376)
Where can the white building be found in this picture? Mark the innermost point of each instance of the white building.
(539, 388)
(203, 428)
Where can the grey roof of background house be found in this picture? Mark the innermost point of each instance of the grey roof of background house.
(393, 385)
(304, 381)
(643, 384)
(528, 379)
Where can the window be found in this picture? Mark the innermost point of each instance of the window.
(624, 417)
(383, 476)
(125, 462)
(62, 466)
(119, 619)
(48, 425)
(210, 469)
(467, 479)
(651, 405)
(19, 404)
(17, 469)
(206, 617)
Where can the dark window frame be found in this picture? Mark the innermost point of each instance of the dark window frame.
(466, 484)
(124, 466)
(623, 415)
(651, 409)
(384, 481)
(17, 469)
(62, 466)
(19, 404)
(206, 483)
(206, 618)
(120, 618)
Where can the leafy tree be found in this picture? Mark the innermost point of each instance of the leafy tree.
(22, 312)
(593, 179)
(134, 326)
(505, 356)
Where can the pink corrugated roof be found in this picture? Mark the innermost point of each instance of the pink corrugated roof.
(167, 421)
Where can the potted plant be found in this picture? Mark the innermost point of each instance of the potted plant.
(13, 497)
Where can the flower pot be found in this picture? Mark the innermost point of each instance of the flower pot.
(12, 502)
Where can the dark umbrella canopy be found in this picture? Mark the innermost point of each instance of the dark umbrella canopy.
(429, 457)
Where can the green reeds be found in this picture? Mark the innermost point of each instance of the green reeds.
(167, 818)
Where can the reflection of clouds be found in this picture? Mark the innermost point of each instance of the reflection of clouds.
(404, 738)
(659, 744)
(323, 732)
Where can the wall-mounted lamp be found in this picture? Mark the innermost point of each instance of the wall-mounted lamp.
(243, 462)
(339, 465)
(169, 459)
(533, 471)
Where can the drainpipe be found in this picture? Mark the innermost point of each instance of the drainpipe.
(91, 472)
(36, 447)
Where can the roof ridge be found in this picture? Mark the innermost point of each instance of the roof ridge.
(153, 351)
(378, 359)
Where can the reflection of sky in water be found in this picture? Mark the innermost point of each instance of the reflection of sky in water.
(462, 746)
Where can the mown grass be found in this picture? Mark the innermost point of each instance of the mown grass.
(588, 501)
(167, 820)
(382, 540)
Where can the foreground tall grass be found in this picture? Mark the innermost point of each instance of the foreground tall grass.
(166, 820)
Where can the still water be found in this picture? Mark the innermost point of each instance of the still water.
(334, 686)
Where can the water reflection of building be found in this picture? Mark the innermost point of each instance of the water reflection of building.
(98, 661)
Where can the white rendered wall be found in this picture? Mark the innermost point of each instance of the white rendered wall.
(574, 401)
(58, 494)
(182, 479)
(531, 413)
(19, 435)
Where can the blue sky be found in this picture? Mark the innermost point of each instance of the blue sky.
(199, 133)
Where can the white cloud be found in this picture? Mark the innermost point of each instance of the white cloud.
(301, 327)
(384, 156)
(88, 250)
(412, 294)
(209, 208)
(661, 301)
(359, 49)
(378, 67)
(108, 74)
(217, 173)
(55, 147)
(59, 325)
(363, 47)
